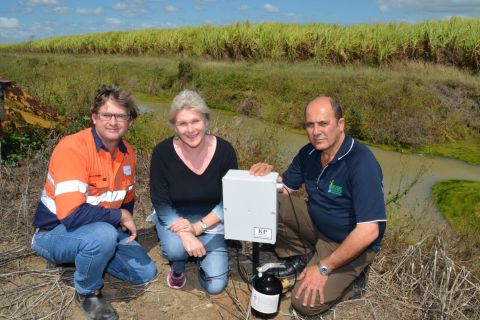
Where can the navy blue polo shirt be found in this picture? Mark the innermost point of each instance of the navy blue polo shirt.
(349, 190)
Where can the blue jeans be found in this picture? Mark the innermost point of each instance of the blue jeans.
(95, 248)
(213, 267)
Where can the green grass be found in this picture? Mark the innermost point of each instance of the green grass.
(459, 202)
(466, 150)
(454, 41)
(407, 107)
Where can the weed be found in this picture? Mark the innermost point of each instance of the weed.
(459, 201)
(407, 106)
(18, 144)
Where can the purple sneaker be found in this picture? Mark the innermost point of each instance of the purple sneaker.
(174, 282)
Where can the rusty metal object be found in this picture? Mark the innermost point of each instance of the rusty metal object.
(4, 83)
(18, 105)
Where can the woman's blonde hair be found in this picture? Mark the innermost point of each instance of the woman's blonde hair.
(188, 99)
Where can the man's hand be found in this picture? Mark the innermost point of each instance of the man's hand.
(182, 225)
(126, 222)
(260, 169)
(192, 245)
(313, 283)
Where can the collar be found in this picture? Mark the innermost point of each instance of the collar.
(345, 149)
(100, 145)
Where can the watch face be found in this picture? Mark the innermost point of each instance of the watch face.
(324, 271)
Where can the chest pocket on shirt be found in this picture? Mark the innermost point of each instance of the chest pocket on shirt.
(97, 182)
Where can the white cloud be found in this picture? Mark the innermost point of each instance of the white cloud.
(113, 21)
(9, 22)
(96, 11)
(170, 9)
(168, 25)
(48, 2)
(445, 6)
(44, 29)
(15, 36)
(61, 10)
(383, 6)
(292, 15)
(131, 8)
(270, 8)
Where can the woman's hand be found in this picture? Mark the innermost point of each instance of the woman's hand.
(182, 225)
(192, 245)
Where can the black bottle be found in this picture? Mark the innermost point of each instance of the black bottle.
(266, 296)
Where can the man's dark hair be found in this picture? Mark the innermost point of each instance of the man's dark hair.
(337, 108)
(119, 96)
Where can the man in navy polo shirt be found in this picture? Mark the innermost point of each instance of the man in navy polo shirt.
(338, 232)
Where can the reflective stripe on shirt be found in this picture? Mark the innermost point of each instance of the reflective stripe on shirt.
(71, 186)
(109, 196)
(48, 202)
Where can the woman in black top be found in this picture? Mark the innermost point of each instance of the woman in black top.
(186, 191)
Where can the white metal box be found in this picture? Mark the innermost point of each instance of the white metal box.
(250, 206)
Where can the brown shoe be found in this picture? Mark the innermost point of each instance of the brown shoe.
(95, 307)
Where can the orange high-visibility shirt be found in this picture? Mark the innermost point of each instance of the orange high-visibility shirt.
(82, 171)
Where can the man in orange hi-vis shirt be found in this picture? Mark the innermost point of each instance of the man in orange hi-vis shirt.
(85, 211)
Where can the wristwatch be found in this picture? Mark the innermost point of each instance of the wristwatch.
(324, 271)
(203, 225)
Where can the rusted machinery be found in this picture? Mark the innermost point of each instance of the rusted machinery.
(18, 107)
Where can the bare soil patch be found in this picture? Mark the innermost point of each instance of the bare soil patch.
(420, 281)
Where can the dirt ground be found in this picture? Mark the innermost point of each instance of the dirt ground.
(419, 281)
(29, 289)
(153, 301)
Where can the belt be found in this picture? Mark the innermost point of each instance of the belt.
(39, 230)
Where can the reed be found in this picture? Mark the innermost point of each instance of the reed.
(453, 42)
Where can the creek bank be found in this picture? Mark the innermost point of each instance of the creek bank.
(399, 169)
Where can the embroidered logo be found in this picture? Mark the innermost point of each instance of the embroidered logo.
(334, 189)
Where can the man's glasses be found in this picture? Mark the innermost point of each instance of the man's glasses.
(118, 116)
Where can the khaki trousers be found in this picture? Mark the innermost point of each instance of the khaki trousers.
(296, 235)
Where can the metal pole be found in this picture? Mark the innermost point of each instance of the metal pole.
(255, 257)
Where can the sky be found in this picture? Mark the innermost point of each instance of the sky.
(26, 20)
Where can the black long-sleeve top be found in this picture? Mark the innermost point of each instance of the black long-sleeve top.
(176, 191)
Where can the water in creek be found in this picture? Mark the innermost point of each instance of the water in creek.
(398, 169)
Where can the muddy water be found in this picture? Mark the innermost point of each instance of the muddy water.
(399, 170)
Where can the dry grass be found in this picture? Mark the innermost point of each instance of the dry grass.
(420, 281)
(424, 282)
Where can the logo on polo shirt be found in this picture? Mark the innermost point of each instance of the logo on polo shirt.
(334, 189)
